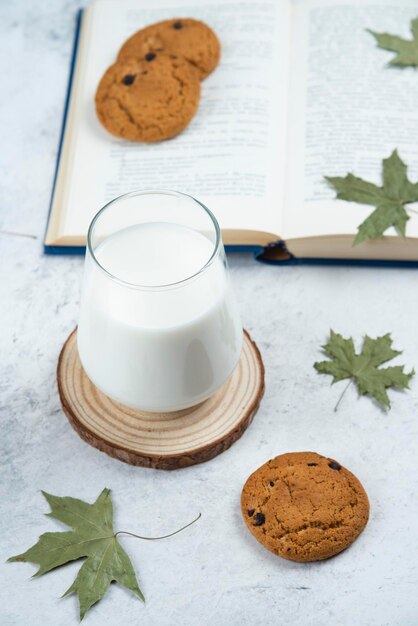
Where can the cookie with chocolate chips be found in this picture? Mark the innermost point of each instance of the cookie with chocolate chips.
(191, 39)
(304, 506)
(148, 98)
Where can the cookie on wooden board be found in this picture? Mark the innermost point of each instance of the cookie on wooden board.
(304, 507)
(186, 37)
(148, 99)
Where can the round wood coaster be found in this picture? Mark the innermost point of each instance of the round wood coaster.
(161, 440)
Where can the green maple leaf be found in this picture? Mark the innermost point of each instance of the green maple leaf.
(92, 537)
(363, 368)
(406, 49)
(389, 199)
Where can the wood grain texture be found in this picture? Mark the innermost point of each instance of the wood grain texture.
(161, 440)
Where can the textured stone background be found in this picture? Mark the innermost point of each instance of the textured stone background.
(214, 573)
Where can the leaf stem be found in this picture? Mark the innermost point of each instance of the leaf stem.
(412, 211)
(342, 395)
(14, 234)
(125, 532)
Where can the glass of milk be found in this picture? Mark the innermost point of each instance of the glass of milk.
(159, 329)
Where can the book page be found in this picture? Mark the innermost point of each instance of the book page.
(231, 157)
(349, 110)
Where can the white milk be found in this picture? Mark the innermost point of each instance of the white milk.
(158, 348)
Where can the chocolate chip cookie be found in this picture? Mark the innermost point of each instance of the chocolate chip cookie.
(149, 98)
(185, 37)
(304, 506)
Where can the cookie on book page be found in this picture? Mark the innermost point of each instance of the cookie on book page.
(304, 507)
(148, 99)
(186, 37)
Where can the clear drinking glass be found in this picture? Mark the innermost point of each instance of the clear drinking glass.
(159, 329)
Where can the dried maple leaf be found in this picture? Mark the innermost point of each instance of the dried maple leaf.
(389, 199)
(92, 537)
(363, 368)
(406, 49)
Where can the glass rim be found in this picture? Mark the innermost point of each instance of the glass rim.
(165, 192)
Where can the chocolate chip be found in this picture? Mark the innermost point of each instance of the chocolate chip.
(312, 464)
(334, 465)
(259, 519)
(271, 483)
(128, 79)
(150, 56)
(177, 25)
(251, 512)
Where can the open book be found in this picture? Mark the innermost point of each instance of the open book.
(302, 91)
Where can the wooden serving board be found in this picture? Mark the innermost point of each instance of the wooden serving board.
(161, 440)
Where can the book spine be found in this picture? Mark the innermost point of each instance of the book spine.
(78, 19)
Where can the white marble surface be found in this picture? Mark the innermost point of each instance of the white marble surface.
(214, 573)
